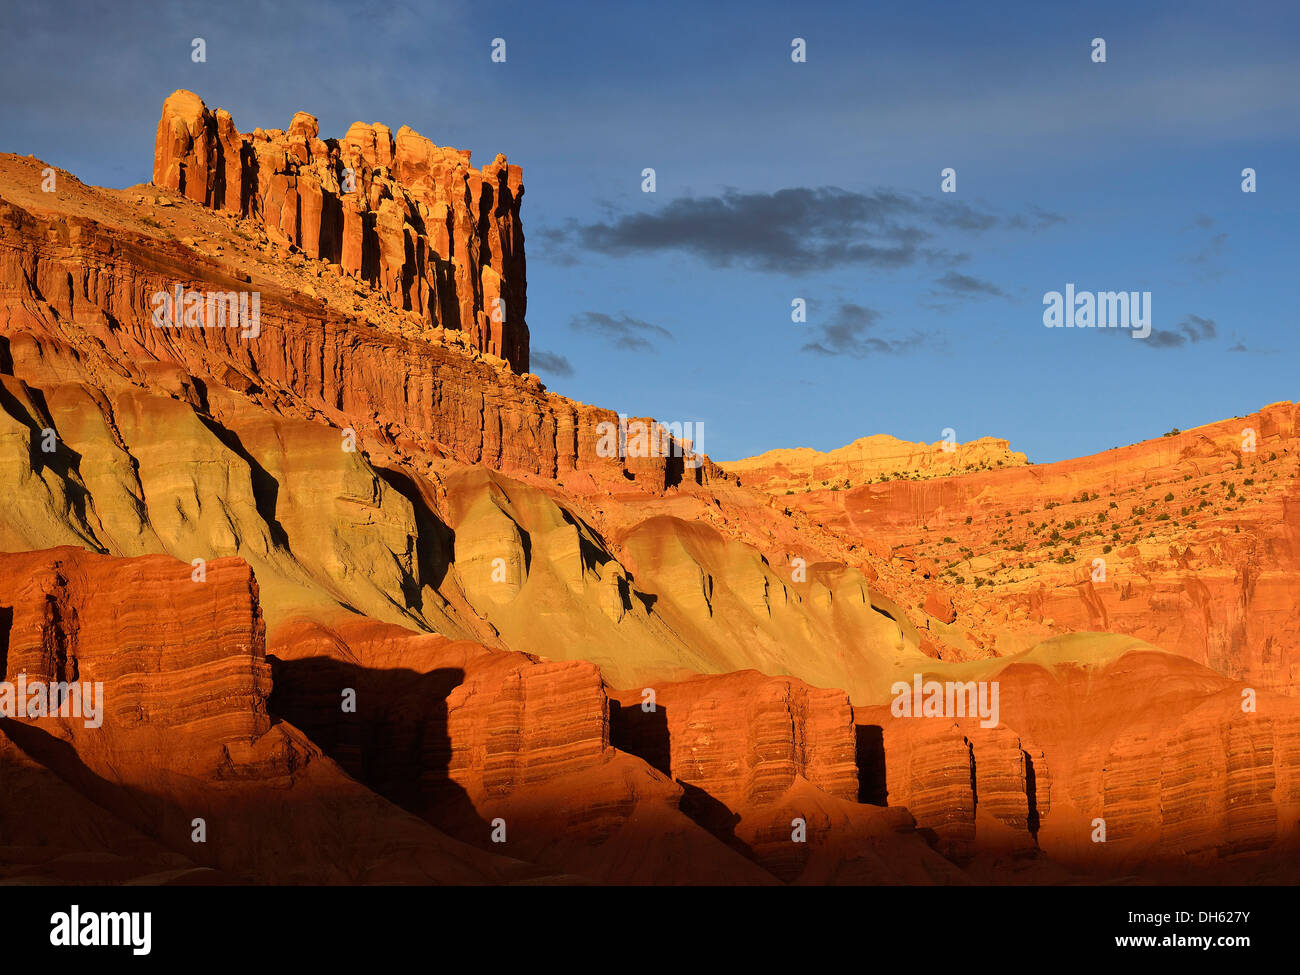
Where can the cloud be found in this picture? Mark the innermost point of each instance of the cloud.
(1212, 248)
(625, 332)
(963, 217)
(795, 230)
(558, 252)
(851, 333)
(551, 362)
(1237, 344)
(957, 285)
(1192, 329)
(1034, 220)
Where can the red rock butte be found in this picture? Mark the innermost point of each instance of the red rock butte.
(436, 235)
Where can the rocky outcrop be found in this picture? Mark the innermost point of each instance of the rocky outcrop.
(438, 718)
(939, 605)
(976, 789)
(184, 750)
(214, 675)
(770, 766)
(743, 738)
(435, 235)
(488, 744)
(500, 749)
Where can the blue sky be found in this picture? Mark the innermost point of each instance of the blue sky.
(777, 180)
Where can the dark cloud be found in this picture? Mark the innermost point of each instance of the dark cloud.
(794, 230)
(1190, 330)
(624, 331)
(957, 285)
(550, 362)
(1034, 220)
(558, 250)
(1198, 328)
(852, 332)
(963, 217)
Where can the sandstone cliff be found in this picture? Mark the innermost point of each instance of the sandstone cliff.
(186, 735)
(435, 235)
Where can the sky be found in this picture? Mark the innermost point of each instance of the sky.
(778, 180)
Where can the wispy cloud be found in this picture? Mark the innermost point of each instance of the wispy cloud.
(1209, 250)
(551, 362)
(624, 331)
(954, 284)
(852, 332)
(1191, 330)
(1034, 219)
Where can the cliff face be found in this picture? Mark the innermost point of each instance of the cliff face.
(435, 235)
(1109, 758)
(743, 738)
(185, 751)
(1190, 542)
(80, 293)
(740, 744)
(486, 743)
(977, 790)
(701, 789)
(271, 766)
(283, 756)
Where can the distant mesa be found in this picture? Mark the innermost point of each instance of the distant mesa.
(867, 459)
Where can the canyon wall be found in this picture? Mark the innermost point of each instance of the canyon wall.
(1190, 542)
(184, 751)
(77, 300)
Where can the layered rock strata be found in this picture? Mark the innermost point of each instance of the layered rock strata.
(434, 234)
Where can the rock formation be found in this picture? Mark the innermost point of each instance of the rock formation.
(187, 753)
(433, 234)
